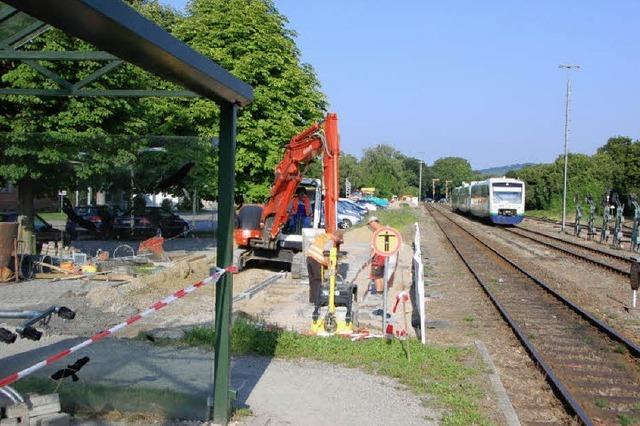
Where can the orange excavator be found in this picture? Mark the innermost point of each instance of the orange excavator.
(270, 232)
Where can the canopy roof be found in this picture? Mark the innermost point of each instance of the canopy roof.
(118, 29)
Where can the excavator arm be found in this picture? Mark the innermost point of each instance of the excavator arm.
(319, 139)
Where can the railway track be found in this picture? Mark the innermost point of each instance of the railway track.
(610, 261)
(626, 229)
(593, 370)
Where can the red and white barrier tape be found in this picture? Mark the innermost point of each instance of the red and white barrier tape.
(400, 333)
(116, 328)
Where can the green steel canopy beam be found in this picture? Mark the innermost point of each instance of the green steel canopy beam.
(7, 13)
(118, 29)
(37, 55)
(92, 93)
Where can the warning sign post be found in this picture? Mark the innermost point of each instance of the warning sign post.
(386, 242)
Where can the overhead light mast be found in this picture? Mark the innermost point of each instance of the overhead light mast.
(567, 110)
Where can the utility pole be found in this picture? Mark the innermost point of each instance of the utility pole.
(567, 109)
(420, 153)
(433, 189)
(420, 183)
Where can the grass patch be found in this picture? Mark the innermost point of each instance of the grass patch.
(627, 420)
(469, 318)
(239, 413)
(397, 218)
(53, 216)
(84, 399)
(619, 349)
(441, 372)
(602, 403)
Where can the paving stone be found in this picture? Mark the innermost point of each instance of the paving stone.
(57, 419)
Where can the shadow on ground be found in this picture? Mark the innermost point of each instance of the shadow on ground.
(189, 244)
(136, 377)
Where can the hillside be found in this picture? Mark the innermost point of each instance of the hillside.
(502, 170)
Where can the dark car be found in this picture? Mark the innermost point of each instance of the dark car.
(154, 221)
(95, 220)
(44, 231)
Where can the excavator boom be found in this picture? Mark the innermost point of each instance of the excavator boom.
(319, 139)
(259, 228)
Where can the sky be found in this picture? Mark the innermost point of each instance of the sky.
(475, 79)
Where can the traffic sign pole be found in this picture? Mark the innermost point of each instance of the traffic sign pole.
(384, 295)
(386, 242)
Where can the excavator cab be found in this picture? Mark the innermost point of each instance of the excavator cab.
(290, 241)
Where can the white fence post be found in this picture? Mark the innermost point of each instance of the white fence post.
(418, 284)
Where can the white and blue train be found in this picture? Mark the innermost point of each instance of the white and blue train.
(500, 200)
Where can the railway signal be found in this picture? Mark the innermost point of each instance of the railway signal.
(635, 238)
(634, 280)
(433, 188)
(606, 217)
(617, 229)
(591, 221)
(446, 189)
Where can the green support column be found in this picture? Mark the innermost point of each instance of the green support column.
(224, 289)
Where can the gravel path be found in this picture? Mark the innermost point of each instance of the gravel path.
(277, 391)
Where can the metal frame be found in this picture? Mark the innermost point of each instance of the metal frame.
(127, 36)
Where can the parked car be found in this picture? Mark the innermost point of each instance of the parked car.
(154, 221)
(367, 205)
(348, 208)
(101, 217)
(347, 218)
(380, 202)
(354, 205)
(44, 231)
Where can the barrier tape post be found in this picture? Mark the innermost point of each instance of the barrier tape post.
(12, 378)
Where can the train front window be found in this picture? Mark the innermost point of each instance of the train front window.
(507, 192)
(507, 197)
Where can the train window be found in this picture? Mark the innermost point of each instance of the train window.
(507, 197)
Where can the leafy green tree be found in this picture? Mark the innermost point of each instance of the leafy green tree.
(52, 143)
(249, 38)
(454, 169)
(44, 138)
(383, 168)
(624, 155)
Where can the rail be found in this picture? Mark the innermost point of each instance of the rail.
(579, 354)
(620, 269)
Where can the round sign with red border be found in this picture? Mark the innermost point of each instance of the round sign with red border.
(386, 241)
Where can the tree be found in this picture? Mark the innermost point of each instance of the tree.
(250, 39)
(383, 167)
(454, 169)
(624, 155)
(43, 137)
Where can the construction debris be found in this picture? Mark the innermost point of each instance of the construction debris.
(36, 410)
